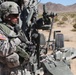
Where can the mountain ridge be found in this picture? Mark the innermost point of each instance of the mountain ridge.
(58, 8)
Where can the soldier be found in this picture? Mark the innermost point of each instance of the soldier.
(21, 3)
(13, 42)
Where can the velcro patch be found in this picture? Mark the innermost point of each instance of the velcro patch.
(2, 37)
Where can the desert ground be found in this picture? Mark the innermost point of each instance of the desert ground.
(65, 23)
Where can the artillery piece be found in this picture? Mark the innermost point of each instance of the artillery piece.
(53, 64)
(58, 62)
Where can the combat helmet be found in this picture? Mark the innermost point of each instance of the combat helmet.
(9, 7)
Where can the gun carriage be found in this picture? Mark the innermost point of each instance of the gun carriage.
(55, 63)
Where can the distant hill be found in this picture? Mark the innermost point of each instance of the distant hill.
(52, 7)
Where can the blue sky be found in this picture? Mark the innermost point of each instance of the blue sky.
(64, 2)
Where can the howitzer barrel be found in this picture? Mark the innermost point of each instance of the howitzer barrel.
(44, 9)
(46, 19)
(29, 17)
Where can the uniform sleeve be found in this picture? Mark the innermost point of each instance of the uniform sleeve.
(6, 46)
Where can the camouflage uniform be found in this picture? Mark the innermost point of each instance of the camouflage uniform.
(10, 43)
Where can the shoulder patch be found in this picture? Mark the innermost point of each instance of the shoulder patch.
(2, 37)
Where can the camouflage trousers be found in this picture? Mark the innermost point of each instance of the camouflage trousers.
(4, 70)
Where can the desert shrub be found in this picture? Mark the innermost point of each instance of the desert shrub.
(74, 20)
(74, 26)
(60, 22)
(56, 19)
(64, 18)
(74, 30)
(72, 15)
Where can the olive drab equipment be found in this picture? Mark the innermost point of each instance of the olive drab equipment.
(7, 31)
